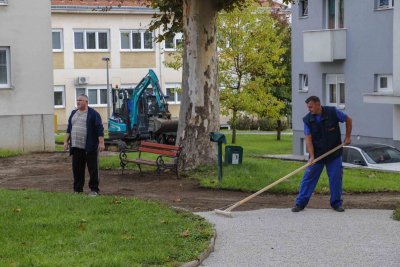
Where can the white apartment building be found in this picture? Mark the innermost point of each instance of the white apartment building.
(84, 35)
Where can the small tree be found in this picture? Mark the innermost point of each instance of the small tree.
(250, 62)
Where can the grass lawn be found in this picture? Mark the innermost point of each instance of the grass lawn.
(60, 229)
(4, 153)
(255, 173)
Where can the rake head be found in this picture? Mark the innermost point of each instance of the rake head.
(223, 213)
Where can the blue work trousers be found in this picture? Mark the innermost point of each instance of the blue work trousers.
(311, 176)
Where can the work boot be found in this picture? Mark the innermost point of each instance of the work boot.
(297, 208)
(339, 209)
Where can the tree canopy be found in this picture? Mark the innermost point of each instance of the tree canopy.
(170, 18)
(251, 48)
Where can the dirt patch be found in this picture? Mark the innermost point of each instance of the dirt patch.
(52, 172)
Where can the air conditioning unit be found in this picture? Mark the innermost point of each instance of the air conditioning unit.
(83, 80)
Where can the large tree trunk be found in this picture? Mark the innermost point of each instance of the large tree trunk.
(199, 111)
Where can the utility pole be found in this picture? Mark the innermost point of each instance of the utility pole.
(107, 60)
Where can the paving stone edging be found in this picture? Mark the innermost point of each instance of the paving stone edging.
(204, 255)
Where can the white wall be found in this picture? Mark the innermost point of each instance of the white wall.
(26, 109)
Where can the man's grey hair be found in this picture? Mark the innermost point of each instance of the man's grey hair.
(85, 97)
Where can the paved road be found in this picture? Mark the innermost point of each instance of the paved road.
(314, 237)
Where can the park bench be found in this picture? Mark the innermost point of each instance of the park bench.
(168, 157)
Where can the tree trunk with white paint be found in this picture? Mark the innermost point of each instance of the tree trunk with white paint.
(199, 110)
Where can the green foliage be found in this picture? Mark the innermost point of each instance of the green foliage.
(54, 229)
(245, 122)
(170, 17)
(268, 124)
(264, 124)
(250, 63)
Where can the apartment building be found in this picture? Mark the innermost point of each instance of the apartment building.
(26, 80)
(344, 51)
(91, 36)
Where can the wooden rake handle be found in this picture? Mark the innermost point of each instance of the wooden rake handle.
(283, 178)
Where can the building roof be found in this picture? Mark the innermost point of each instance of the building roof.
(132, 3)
(95, 6)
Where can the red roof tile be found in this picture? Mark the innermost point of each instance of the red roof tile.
(100, 2)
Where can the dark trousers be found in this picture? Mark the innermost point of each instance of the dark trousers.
(79, 161)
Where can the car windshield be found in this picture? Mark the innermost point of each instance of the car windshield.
(382, 154)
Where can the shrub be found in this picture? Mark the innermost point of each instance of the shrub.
(267, 124)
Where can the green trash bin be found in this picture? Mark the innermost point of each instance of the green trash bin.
(233, 154)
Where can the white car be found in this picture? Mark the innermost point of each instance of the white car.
(372, 156)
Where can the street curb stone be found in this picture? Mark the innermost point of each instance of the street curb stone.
(206, 253)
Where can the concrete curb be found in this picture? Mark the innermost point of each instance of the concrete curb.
(206, 253)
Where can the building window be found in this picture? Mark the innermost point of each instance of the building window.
(171, 44)
(59, 97)
(57, 38)
(335, 90)
(5, 67)
(3, 2)
(91, 40)
(97, 96)
(384, 83)
(303, 8)
(174, 93)
(136, 40)
(384, 4)
(335, 14)
(303, 81)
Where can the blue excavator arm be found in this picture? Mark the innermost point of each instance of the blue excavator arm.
(150, 79)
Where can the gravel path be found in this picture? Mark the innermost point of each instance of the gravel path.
(314, 237)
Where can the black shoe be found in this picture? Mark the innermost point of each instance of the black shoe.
(297, 208)
(339, 209)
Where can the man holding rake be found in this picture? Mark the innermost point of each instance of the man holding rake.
(322, 133)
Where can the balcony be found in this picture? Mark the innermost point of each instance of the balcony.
(324, 45)
(382, 98)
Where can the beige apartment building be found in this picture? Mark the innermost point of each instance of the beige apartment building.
(26, 82)
(91, 36)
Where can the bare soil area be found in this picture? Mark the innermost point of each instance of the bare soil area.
(52, 172)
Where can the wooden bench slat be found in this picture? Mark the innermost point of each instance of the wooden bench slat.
(157, 145)
(158, 151)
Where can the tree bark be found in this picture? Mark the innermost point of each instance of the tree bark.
(278, 130)
(199, 110)
(234, 124)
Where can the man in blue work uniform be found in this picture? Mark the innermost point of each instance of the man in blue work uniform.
(322, 133)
